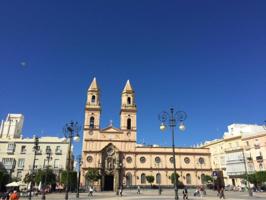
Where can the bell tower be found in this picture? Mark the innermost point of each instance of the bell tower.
(93, 107)
(128, 113)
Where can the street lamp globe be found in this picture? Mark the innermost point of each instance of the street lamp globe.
(162, 127)
(76, 138)
(182, 126)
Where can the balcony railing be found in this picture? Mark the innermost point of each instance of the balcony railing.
(58, 151)
(259, 158)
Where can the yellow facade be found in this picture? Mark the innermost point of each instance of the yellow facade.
(121, 161)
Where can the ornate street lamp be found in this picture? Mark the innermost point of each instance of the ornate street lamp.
(71, 133)
(79, 163)
(172, 119)
(35, 149)
(48, 153)
(250, 193)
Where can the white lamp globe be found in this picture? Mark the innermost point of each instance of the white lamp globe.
(162, 127)
(182, 126)
(76, 138)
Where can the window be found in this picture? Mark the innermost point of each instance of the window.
(8, 163)
(48, 149)
(93, 99)
(56, 163)
(11, 147)
(171, 159)
(58, 150)
(201, 161)
(128, 124)
(188, 179)
(19, 174)
(129, 179)
(142, 159)
(202, 178)
(23, 149)
(92, 122)
(89, 159)
(21, 163)
(143, 178)
(157, 159)
(187, 160)
(129, 159)
(128, 100)
(158, 178)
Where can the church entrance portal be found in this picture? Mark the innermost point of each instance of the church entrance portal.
(109, 183)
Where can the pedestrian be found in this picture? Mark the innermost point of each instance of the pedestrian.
(201, 192)
(185, 193)
(138, 189)
(121, 191)
(14, 196)
(91, 191)
(222, 193)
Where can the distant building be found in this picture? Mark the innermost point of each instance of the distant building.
(242, 148)
(121, 161)
(17, 152)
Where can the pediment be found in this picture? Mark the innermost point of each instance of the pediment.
(111, 129)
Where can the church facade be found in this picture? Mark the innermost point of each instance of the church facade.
(121, 161)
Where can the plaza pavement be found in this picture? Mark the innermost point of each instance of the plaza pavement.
(151, 195)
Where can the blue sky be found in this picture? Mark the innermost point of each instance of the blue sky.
(204, 57)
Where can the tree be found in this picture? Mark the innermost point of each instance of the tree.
(261, 177)
(72, 179)
(207, 179)
(150, 179)
(257, 178)
(4, 177)
(93, 175)
(45, 176)
(173, 176)
(179, 183)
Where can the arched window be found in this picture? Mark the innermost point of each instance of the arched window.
(128, 100)
(92, 122)
(143, 178)
(129, 179)
(158, 178)
(188, 179)
(202, 178)
(93, 99)
(128, 124)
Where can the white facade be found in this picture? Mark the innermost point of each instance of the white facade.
(242, 148)
(12, 126)
(17, 153)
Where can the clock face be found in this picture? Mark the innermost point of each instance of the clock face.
(91, 132)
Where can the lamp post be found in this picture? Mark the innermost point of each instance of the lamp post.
(79, 165)
(250, 193)
(71, 133)
(171, 119)
(48, 153)
(35, 149)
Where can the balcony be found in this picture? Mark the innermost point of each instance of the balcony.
(20, 167)
(58, 151)
(38, 152)
(259, 158)
(11, 150)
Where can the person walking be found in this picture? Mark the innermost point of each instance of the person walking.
(221, 193)
(91, 191)
(138, 189)
(121, 191)
(185, 193)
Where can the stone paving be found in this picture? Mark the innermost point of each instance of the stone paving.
(152, 195)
